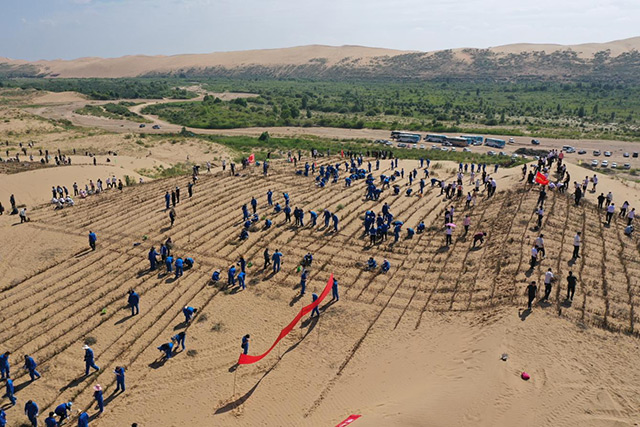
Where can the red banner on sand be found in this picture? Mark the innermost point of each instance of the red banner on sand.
(252, 158)
(246, 359)
(349, 420)
(540, 179)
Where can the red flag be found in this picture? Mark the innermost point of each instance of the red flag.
(349, 420)
(246, 359)
(252, 158)
(540, 179)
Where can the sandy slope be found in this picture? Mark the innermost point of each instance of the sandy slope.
(419, 345)
(131, 66)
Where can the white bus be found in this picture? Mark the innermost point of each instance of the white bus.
(457, 142)
(436, 138)
(473, 139)
(494, 142)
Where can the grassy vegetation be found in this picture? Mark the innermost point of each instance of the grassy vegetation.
(178, 169)
(106, 89)
(112, 111)
(545, 109)
(278, 147)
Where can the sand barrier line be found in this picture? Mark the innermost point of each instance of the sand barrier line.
(562, 244)
(139, 209)
(48, 301)
(499, 271)
(463, 269)
(539, 271)
(131, 342)
(54, 273)
(346, 221)
(109, 303)
(435, 202)
(630, 290)
(603, 272)
(486, 247)
(113, 198)
(446, 257)
(419, 287)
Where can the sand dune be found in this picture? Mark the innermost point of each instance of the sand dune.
(131, 66)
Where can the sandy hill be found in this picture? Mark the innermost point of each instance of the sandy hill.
(547, 61)
(419, 345)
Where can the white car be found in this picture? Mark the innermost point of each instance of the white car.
(514, 156)
(466, 149)
(502, 153)
(605, 163)
(491, 153)
(511, 140)
(422, 146)
(415, 145)
(453, 149)
(627, 166)
(607, 153)
(594, 162)
(614, 165)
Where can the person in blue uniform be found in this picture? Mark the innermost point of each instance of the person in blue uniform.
(179, 339)
(62, 410)
(10, 390)
(3, 418)
(334, 218)
(168, 262)
(334, 291)
(241, 277)
(276, 258)
(231, 276)
(303, 281)
(134, 302)
(270, 198)
(167, 349)
(119, 371)
(179, 267)
(385, 266)
(315, 311)
(92, 240)
(30, 365)
(4, 365)
(188, 313)
(89, 359)
(153, 258)
(83, 420)
(254, 204)
(97, 395)
(371, 264)
(314, 218)
(167, 200)
(245, 344)
(51, 421)
(32, 411)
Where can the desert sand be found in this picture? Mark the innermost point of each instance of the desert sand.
(419, 345)
(137, 65)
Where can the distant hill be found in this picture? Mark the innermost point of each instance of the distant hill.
(613, 62)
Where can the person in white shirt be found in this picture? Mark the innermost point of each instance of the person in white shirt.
(448, 232)
(540, 245)
(594, 180)
(548, 278)
(631, 215)
(610, 209)
(534, 257)
(609, 199)
(576, 246)
(466, 222)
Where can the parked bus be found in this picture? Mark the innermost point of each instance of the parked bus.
(409, 137)
(457, 142)
(395, 134)
(494, 142)
(436, 138)
(473, 139)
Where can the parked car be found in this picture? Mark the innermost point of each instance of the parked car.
(607, 153)
(156, 126)
(605, 163)
(422, 146)
(626, 154)
(635, 154)
(512, 141)
(502, 153)
(491, 153)
(614, 165)
(142, 125)
(401, 145)
(514, 156)
(388, 143)
(627, 166)
(596, 152)
(582, 152)
(415, 145)
(535, 142)
(453, 149)
(466, 149)
(594, 162)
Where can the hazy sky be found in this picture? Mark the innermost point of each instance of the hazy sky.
(49, 29)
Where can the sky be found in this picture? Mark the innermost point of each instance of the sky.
(68, 29)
